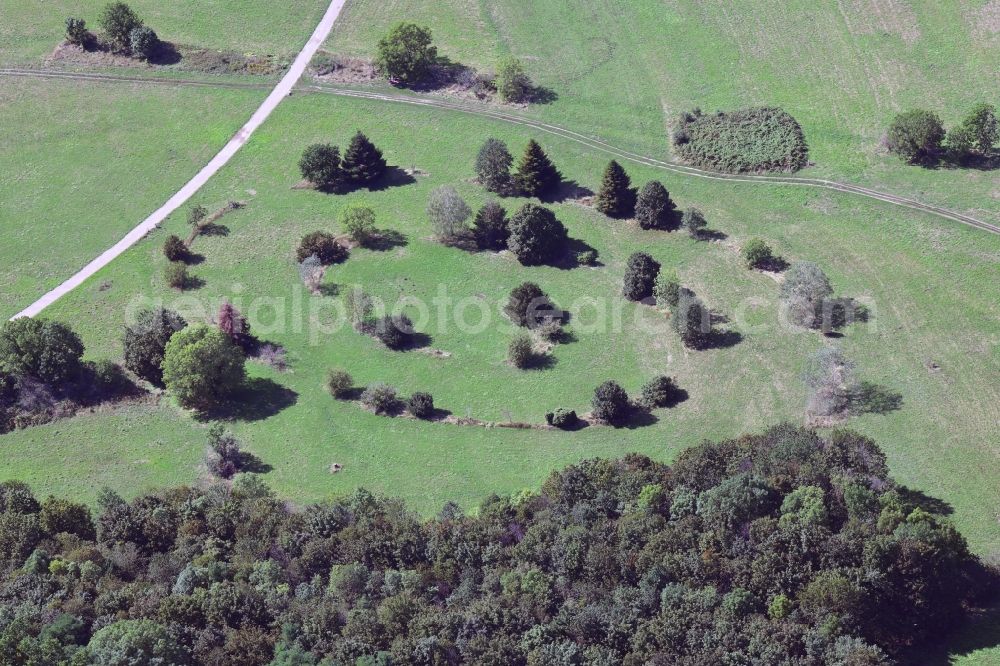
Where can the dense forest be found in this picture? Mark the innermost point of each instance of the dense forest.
(786, 547)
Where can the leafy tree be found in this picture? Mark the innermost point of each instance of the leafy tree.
(536, 236)
(804, 292)
(421, 405)
(694, 222)
(118, 21)
(829, 376)
(491, 228)
(654, 208)
(47, 350)
(692, 320)
(135, 643)
(146, 340)
(529, 306)
(359, 222)
(978, 130)
(448, 212)
(915, 135)
(513, 84)
(339, 383)
(394, 331)
(202, 367)
(617, 197)
(406, 54)
(660, 391)
(196, 215)
(143, 42)
(758, 254)
(76, 31)
(311, 271)
(175, 274)
(174, 249)
(60, 515)
(493, 164)
(320, 165)
(666, 289)
(363, 163)
(225, 456)
(323, 245)
(380, 398)
(610, 403)
(640, 275)
(536, 175)
(520, 351)
(234, 325)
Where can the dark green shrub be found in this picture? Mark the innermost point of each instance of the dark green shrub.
(380, 398)
(915, 135)
(660, 391)
(118, 21)
(323, 246)
(692, 321)
(320, 165)
(394, 331)
(536, 175)
(617, 197)
(758, 254)
(666, 290)
(493, 164)
(143, 42)
(421, 405)
(748, 140)
(491, 228)
(146, 340)
(46, 350)
(529, 306)
(406, 54)
(339, 383)
(175, 274)
(562, 418)
(520, 352)
(363, 163)
(512, 83)
(536, 236)
(640, 275)
(653, 208)
(610, 403)
(694, 222)
(76, 31)
(174, 249)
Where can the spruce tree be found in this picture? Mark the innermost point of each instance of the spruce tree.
(616, 197)
(491, 227)
(493, 166)
(536, 236)
(654, 209)
(363, 163)
(640, 275)
(536, 175)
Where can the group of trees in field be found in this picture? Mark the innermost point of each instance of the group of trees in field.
(379, 397)
(406, 55)
(535, 176)
(362, 165)
(775, 548)
(919, 136)
(122, 32)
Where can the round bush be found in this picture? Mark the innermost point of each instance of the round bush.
(175, 275)
(610, 403)
(529, 306)
(323, 246)
(143, 42)
(202, 367)
(640, 274)
(660, 391)
(339, 383)
(562, 418)
(757, 254)
(536, 236)
(320, 165)
(40, 348)
(174, 249)
(421, 405)
(394, 331)
(519, 351)
(380, 398)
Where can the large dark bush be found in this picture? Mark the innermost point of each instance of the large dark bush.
(654, 209)
(118, 21)
(536, 236)
(420, 405)
(41, 348)
(640, 275)
(323, 245)
(143, 42)
(145, 341)
(610, 403)
(915, 135)
(320, 165)
(491, 228)
(661, 391)
(363, 163)
(529, 306)
(536, 175)
(394, 331)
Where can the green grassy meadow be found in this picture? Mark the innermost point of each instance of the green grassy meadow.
(928, 280)
(30, 31)
(81, 163)
(624, 70)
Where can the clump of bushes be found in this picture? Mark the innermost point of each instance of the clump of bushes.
(406, 55)
(753, 140)
(77, 33)
(586, 258)
(380, 398)
(512, 82)
(359, 222)
(225, 456)
(529, 306)
(202, 367)
(320, 165)
(362, 165)
(611, 403)
(321, 245)
(145, 342)
(421, 405)
(661, 391)
(564, 419)
(916, 135)
(339, 383)
(143, 42)
(804, 292)
(118, 22)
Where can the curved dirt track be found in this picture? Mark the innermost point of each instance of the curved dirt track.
(280, 91)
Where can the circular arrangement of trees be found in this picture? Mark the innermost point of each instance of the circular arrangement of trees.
(536, 236)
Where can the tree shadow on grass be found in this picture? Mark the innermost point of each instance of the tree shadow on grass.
(259, 399)
(166, 54)
(638, 418)
(980, 632)
(926, 502)
(723, 339)
(976, 161)
(540, 95)
(393, 177)
(193, 258)
(213, 229)
(712, 235)
(567, 190)
(871, 398)
(249, 462)
(386, 239)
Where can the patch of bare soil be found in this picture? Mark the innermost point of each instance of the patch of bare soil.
(436, 353)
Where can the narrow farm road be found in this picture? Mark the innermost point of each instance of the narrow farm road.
(280, 91)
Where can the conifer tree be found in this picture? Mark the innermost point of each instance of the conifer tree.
(234, 325)
(616, 197)
(640, 275)
(654, 209)
(363, 163)
(692, 320)
(536, 175)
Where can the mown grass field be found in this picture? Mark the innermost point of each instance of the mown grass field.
(30, 31)
(81, 163)
(931, 284)
(842, 68)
